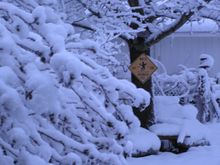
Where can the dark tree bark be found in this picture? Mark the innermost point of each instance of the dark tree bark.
(137, 47)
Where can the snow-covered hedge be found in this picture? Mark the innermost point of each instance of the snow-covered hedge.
(193, 86)
(57, 106)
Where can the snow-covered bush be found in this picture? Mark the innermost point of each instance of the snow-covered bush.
(58, 106)
(178, 124)
(193, 86)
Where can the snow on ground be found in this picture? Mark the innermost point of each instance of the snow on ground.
(147, 141)
(173, 119)
(194, 156)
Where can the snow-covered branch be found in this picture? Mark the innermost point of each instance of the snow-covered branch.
(57, 105)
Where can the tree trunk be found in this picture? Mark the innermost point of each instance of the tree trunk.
(137, 47)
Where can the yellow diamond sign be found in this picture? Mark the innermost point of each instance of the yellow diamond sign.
(143, 68)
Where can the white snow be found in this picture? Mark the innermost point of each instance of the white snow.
(143, 141)
(206, 60)
(204, 25)
(195, 156)
(57, 105)
(173, 119)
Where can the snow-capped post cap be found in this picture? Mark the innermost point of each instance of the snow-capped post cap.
(206, 61)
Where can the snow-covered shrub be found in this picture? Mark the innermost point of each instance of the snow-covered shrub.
(169, 85)
(57, 106)
(193, 86)
(178, 124)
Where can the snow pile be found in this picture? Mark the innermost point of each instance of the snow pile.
(195, 155)
(57, 106)
(173, 119)
(144, 142)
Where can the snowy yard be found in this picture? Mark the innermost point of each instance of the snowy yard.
(63, 100)
(195, 156)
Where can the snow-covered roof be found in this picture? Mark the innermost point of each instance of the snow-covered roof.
(204, 26)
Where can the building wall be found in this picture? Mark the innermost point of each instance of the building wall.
(185, 49)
